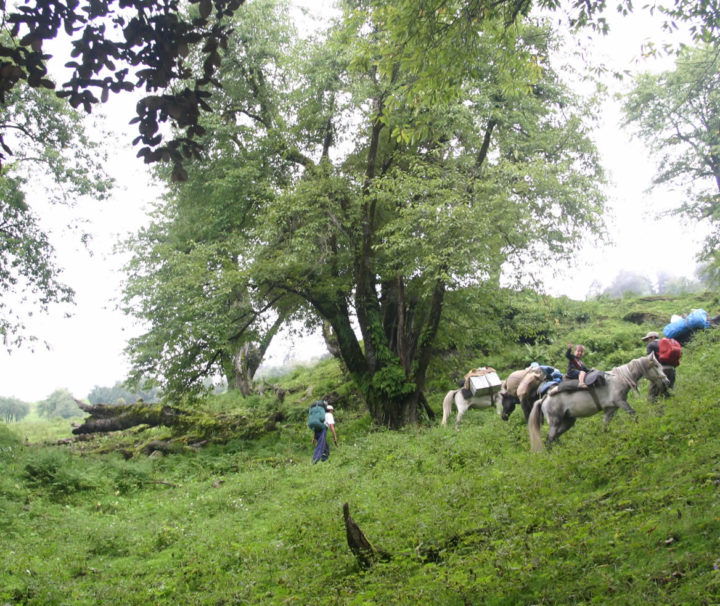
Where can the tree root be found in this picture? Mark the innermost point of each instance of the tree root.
(364, 551)
(366, 554)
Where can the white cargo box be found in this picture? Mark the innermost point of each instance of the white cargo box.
(485, 384)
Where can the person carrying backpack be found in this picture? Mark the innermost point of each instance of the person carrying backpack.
(320, 419)
(667, 352)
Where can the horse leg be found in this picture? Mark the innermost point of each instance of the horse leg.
(527, 406)
(609, 413)
(559, 427)
(462, 408)
(627, 408)
(447, 406)
(553, 422)
(533, 425)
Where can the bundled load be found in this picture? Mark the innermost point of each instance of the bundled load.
(682, 328)
(482, 381)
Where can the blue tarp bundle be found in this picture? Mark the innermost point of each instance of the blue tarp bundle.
(554, 376)
(684, 327)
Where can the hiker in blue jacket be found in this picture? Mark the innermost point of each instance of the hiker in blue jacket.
(322, 448)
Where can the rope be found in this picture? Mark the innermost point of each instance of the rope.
(623, 373)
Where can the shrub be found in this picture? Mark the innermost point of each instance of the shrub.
(56, 471)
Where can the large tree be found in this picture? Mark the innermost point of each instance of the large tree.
(677, 113)
(369, 217)
(188, 279)
(170, 51)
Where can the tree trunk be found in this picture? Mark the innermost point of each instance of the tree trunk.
(363, 549)
(331, 341)
(243, 369)
(116, 417)
(246, 360)
(213, 428)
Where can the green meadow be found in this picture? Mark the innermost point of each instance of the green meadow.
(630, 515)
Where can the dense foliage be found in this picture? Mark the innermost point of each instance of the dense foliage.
(622, 517)
(315, 200)
(122, 46)
(173, 53)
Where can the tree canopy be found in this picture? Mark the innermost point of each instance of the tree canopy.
(123, 45)
(172, 53)
(360, 218)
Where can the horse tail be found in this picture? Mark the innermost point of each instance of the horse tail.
(534, 425)
(447, 405)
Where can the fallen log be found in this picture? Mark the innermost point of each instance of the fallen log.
(195, 428)
(116, 417)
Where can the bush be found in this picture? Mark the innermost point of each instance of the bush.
(55, 471)
(8, 439)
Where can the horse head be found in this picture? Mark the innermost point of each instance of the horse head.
(653, 371)
(508, 402)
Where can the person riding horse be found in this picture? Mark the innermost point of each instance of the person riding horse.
(562, 408)
(576, 368)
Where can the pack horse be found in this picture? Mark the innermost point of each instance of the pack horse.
(480, 390)
(561, 409)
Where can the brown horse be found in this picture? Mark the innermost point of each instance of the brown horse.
(520, 387)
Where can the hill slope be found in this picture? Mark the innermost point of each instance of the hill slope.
(470, 517)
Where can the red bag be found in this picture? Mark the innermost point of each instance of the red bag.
(669, 352)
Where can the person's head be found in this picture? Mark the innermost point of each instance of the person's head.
(650, 337)
(579, 351)
(329, 408)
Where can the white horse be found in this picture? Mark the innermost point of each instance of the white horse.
(563, 408)
(462, 404)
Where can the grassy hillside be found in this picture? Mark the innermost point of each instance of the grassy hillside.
(626, 516)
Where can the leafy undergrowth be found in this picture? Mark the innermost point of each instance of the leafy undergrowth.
(626, 516)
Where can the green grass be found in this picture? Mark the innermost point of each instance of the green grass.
(627, 516)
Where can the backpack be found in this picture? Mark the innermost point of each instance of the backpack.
(316, 416)
(669, 352)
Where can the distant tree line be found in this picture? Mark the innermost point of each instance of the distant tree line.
(117, 394)
(12, 409)
(59, 405)
(632, 283)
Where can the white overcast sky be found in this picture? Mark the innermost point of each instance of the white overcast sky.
(86, 349)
